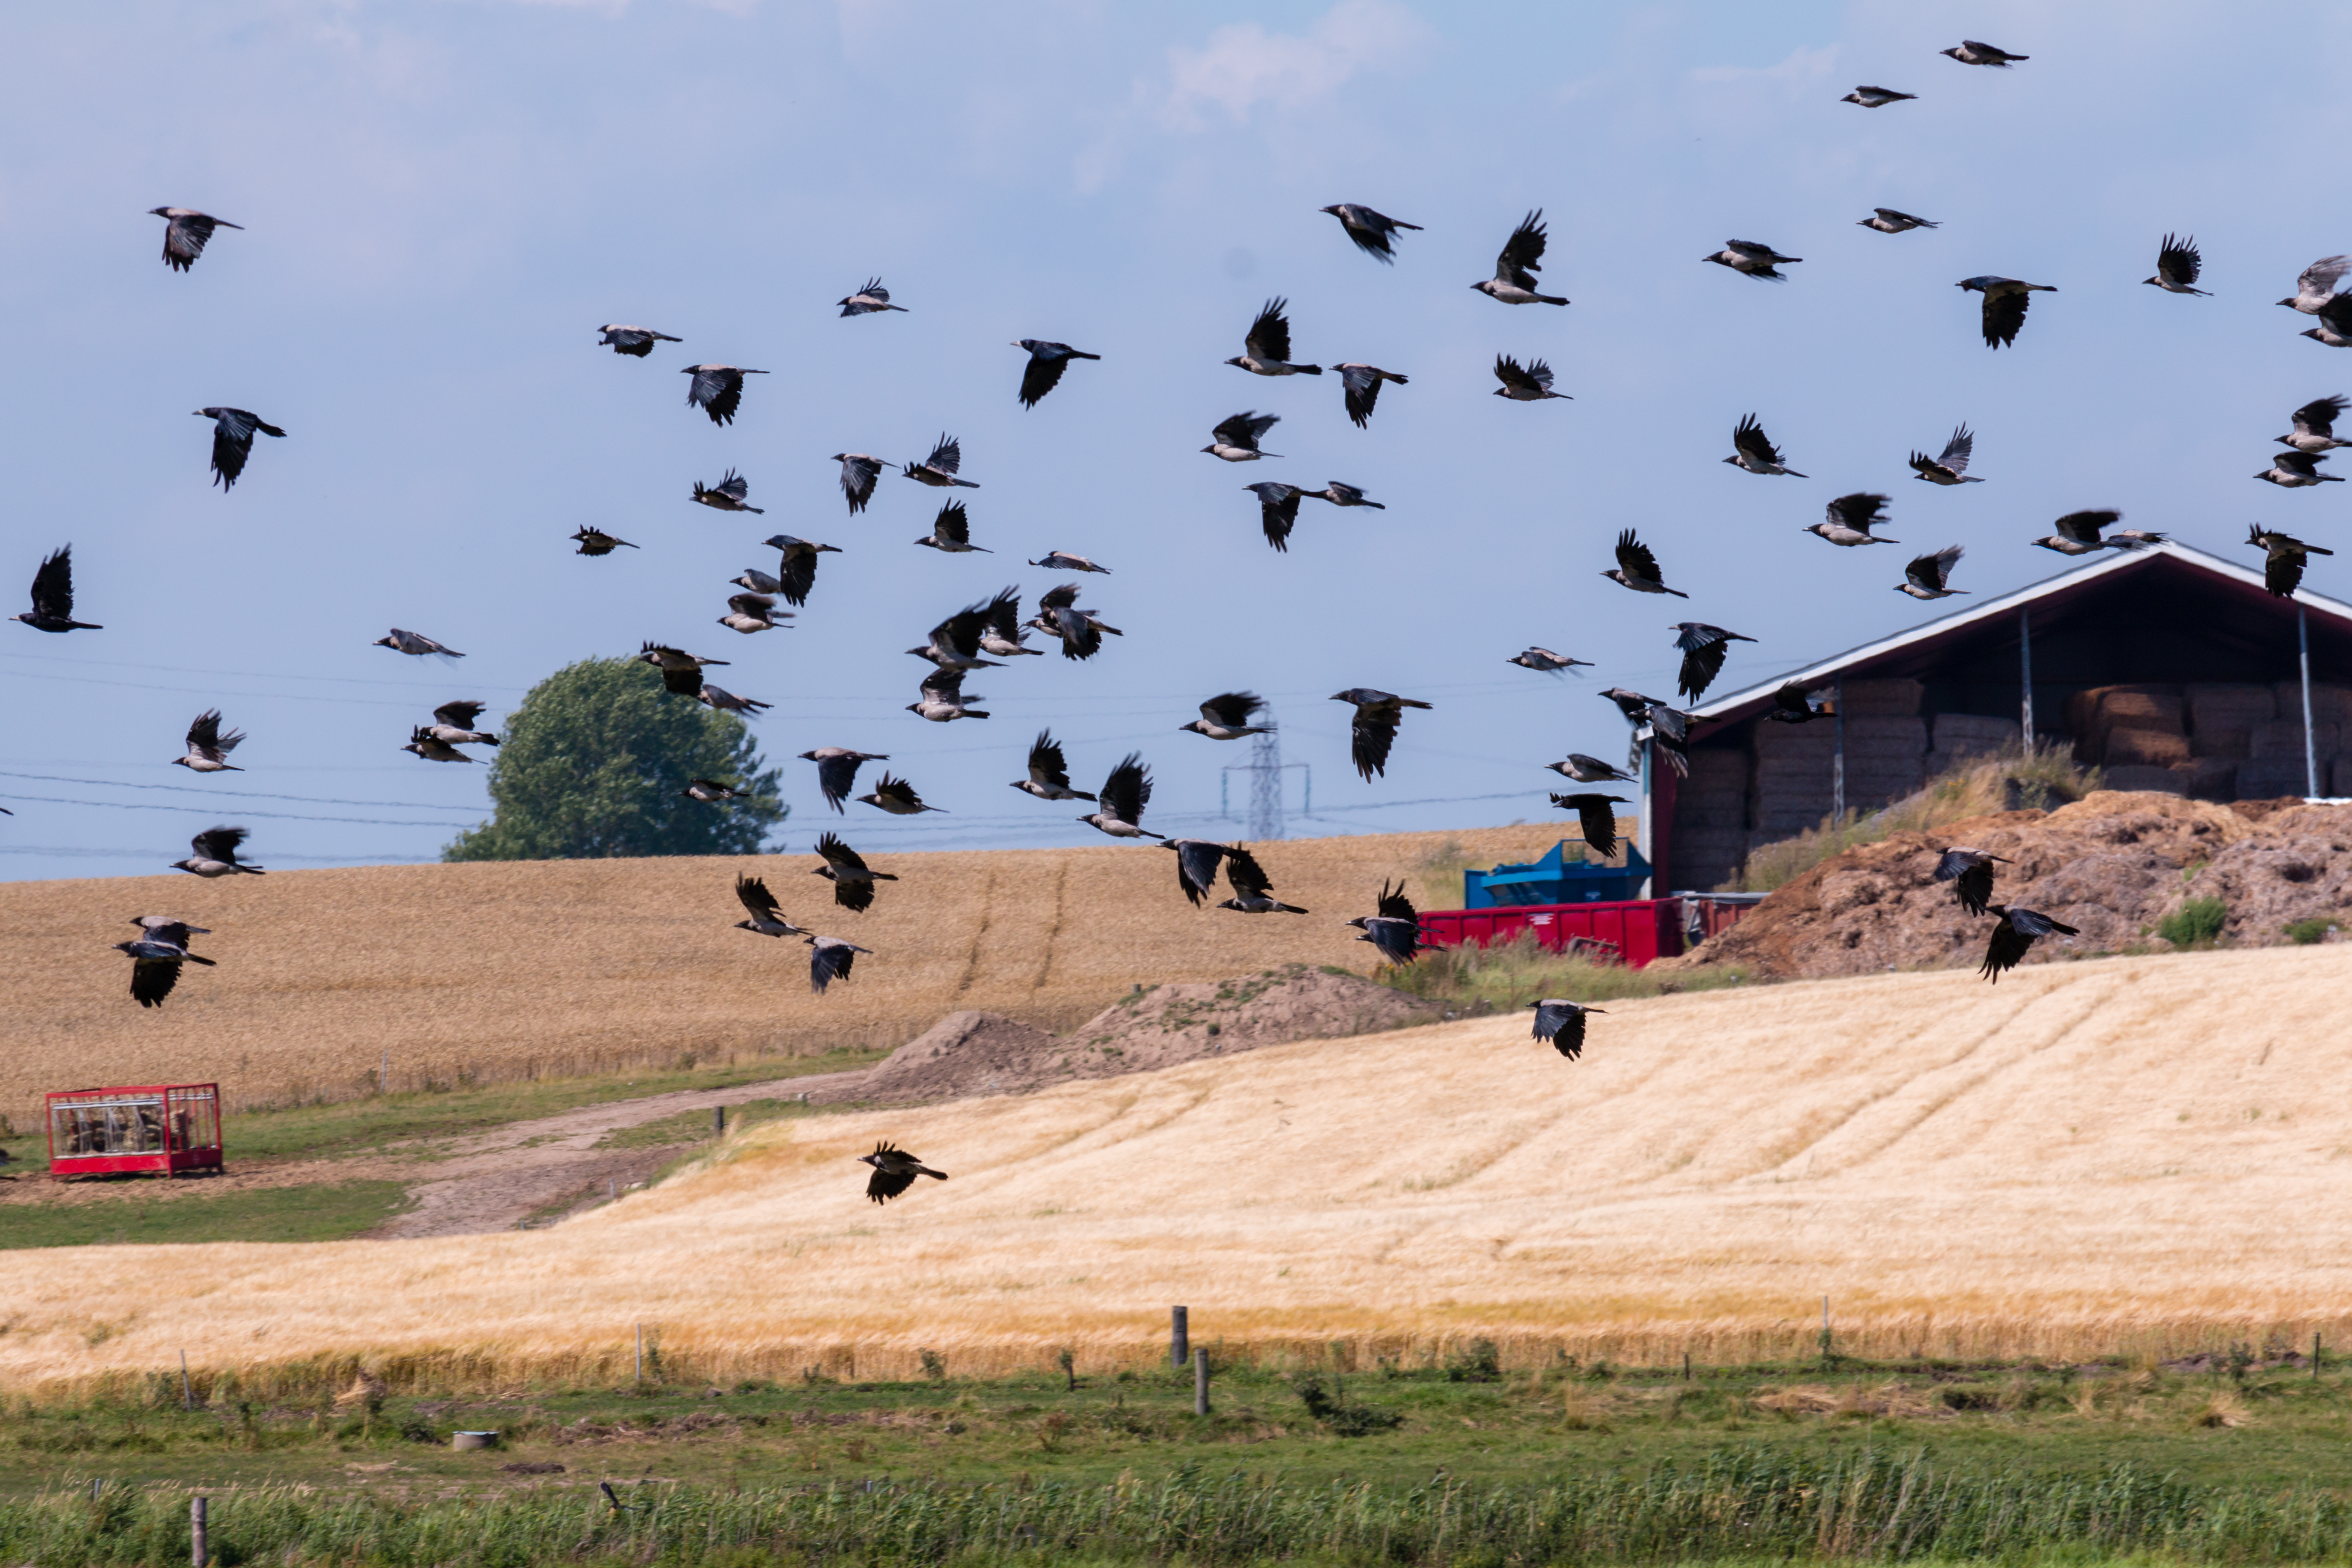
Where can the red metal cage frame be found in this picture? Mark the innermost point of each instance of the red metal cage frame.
(168, 1126)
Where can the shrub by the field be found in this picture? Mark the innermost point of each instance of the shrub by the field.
(2196, 924)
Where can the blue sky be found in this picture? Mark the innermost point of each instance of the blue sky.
(443, 200)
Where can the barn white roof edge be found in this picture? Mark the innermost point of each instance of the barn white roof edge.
(2117, 561)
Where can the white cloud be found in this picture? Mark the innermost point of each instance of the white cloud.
(1244, 66)
(1802, 69)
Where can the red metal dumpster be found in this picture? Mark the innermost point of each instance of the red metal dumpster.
(1632, 931)
(168, 1128)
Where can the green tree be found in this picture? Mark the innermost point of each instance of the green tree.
(592, 765)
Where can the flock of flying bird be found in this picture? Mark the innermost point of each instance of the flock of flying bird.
(966, 640)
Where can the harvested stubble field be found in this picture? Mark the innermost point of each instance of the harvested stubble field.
(485, 973)
(2130, 1157)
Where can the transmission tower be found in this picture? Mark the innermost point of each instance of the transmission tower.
(1265, 783)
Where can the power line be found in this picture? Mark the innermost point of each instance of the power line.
(234, 794)
(281, 815)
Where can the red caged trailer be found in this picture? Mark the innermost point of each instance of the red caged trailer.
(171, 1128)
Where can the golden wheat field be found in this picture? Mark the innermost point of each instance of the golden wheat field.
(489, 971)
(2135, 1155)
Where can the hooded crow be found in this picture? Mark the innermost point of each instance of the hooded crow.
(1590, 770)
(1197, 860)
(1359, 385)
(767, 916)
(233, 432)
(895, 1171)
(1952, 468)
(1253, 889)
(2176, 266)
(432, 748)
(1876, 96)
(214, 854)
(1594, 820)
(853, 880)
(710, 791)
(1852, 517)
(954, 643)
(726, 701)
(796, 573)
(1753, 451)
(53, 597)
(156, 956)
(757, 581)
(1395, 931)
(2283, 558)
(1514, 283)
(185, 232)
(1560, 1024)
(1236, 440)
(951, 533)
(1793, 704)
(1927, 576)
(830, 958)
(208, 748)
(1049, 771)
(1003, 636)
(870, 300)
(2298, 470)
(596, 542)
(1745, 256)
(681, 672)
(1668, 727)
(635, 342)
(1338, 494)
(939, 470)
(2005, 300)
(1374, 728)
(1531, 385)
(1703, 648)
(2078, 533)
(717, 390)
(2317, 286)
(2334, 329)
(1544, 662)
(897, 796)
(1081, 631)
(455, 723)
(748, 613)
(1374, 233)
(858, 474)
(1119, 807)
(1971, 873)
(2014, 935)
(1278, 510)
(1043, 370)
(1637, 568)
(1227, 715)
(2315, 426)
(416, 644)
(836, 770)
(1889, 221)
(728, 494)
(1266, 350)
(944, 702)
(1971, 53)
(1057, 561)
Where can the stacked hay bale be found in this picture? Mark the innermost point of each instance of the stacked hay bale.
(1885, 741)
(2213, 739)
(1710, 829)
(2135, 733)
(1962, 738)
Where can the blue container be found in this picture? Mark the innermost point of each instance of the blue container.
(1555, 880)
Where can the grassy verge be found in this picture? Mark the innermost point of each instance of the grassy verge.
(139, 1214)
(1454, 1464)
(1508, 974)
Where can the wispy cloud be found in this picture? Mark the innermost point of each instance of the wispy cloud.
(1802, 69)
(1243, 67)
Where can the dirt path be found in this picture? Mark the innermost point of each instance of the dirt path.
(492, 1180)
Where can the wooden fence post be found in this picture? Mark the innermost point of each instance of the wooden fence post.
(641, 1353)
(1178, 1336)
(1199, 1383)
(718, 1121)
(199, 1543)
(188, 1390)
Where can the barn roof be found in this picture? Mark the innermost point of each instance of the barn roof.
(2229, 599)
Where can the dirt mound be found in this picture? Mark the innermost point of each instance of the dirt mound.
(2112, 864)
(968, 1054)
